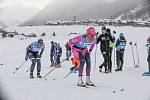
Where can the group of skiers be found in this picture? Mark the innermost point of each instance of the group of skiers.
(81, 47)
(55, 54)
(34, 52)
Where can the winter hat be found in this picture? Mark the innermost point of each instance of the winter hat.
(91, 31)
(108, 30)
(40, 41)
(121, 34)
(104, 28)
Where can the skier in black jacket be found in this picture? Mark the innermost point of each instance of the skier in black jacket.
(104, 40)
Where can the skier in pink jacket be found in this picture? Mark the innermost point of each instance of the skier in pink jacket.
(79, 46)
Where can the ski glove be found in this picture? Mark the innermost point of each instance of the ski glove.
(90, 51)
(76, 62)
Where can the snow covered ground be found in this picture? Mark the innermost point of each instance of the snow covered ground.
(20, 87)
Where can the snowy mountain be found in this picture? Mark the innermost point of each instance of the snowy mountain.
(16, 14)
(141, 12)
(82, 9)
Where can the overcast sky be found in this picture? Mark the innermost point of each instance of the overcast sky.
(37, 3)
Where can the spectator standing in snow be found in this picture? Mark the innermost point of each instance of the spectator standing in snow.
(104, 39)
(120, 48)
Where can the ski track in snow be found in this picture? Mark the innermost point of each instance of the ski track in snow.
(19, 86)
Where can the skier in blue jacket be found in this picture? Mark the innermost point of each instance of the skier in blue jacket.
(34, 52)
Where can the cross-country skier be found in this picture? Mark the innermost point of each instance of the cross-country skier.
(51, 53)
(148, 48)
(120, 48)
(54, 54)
(34, 52)
(59, 53)
(79, 46)
(105, 40)
(68, 51)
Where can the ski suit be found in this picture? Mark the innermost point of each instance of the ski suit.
(120, 47)
(68, 51)
(59, 53)
(79, 46)
(54, 54)
(34, 51)
(51, 53)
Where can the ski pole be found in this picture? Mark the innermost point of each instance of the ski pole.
(95, 57)
(70, 72)
(19, 67)
(114, 32)
(53, 69)
(28, 69)
(114, 57)
(49, 73)
(137, 54)
(95, 51)
(132, 53)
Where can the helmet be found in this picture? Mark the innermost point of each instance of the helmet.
(91, 31)
(40, 41)
(52, 42)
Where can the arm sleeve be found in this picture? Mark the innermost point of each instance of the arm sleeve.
(92, 46)
(112, 39)
(27, 52)
(42, 50)
(74, 41)
(98, 39)
(117, 42)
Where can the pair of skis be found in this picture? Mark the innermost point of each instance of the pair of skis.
(112, 90)
(133, 56)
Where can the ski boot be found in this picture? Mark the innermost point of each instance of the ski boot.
(80, 82)
(31, 75)
(106, 71)
(100, 69)
(118, 69)
(88, 81)
(38, 75)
